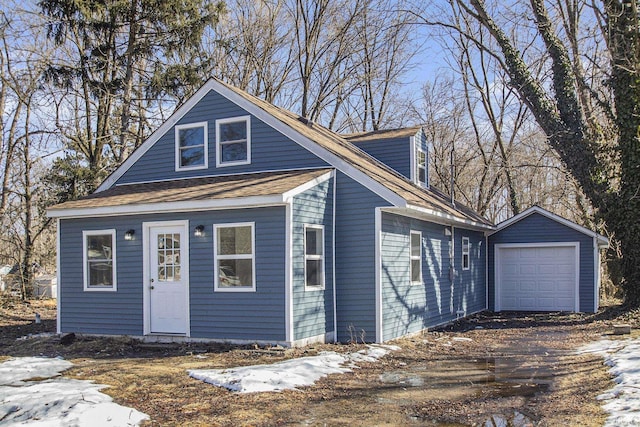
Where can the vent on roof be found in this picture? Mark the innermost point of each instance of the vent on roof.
(306, 121)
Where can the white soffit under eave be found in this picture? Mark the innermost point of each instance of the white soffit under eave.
(439, 217)
(602, 240)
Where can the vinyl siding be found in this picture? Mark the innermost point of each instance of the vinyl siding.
(355, 255)
(408, 307)
(537, 228)
(394, 152)
(218, 315)
(267, 147)
(312, 309)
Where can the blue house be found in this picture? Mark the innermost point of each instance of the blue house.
(239, 221)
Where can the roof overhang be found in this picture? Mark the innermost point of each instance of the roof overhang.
(601, 240)
(186, 205)
(439, 217)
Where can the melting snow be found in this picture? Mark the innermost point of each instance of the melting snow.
(622, 402)
(50, 400)
(289, 374)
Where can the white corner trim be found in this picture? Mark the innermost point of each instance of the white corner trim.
(497, 259)
(288, 272)
(378, 275)
(333, 258)
(58, 277)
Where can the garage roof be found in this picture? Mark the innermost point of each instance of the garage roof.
(602, 240)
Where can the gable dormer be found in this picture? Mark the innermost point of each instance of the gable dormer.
(404, 150)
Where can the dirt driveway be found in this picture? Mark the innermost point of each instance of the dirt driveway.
(464, 374)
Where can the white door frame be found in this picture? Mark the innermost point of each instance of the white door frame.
(146, 297)
(496, 267)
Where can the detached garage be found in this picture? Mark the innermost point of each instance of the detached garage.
(539, 261)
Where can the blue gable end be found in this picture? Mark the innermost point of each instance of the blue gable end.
(270, 150)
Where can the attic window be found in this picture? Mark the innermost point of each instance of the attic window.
(233, 141)
(421, 167)
(191, 146)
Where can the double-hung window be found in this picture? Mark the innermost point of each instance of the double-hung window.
(234, 251)
(314, 256)
(99, 260)
(192, 146)
(421, 167)
(416, 257)
(233, 141)
(466, 253)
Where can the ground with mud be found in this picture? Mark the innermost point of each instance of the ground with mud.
(502, 366)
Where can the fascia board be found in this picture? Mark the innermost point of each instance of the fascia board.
(151, 208)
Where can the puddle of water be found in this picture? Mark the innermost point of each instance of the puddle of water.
(481, 377)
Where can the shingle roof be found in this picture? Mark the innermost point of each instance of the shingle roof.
(345, 155)
(413, 194)
(196, 189)
(381, 134)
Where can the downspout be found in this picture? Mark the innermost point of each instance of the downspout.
(333, 261)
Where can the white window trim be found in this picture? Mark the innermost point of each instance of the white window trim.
(467, 252)
(314, 257)
(217, 257)
(219, 162)
(413, 258)
(85, 260)
(178, 128)
(424, 183)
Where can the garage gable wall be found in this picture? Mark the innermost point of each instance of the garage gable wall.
(537, 228)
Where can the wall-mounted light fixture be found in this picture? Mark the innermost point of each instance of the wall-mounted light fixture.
(199, 231)
(128, 235)
(447, 231)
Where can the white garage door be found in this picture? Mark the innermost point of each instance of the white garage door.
(536, 278)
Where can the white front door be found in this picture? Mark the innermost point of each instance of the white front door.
(168, 279)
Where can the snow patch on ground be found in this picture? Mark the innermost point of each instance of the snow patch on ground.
(622, 402)
(289, 374)
(49, 401)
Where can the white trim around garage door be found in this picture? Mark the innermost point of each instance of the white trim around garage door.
(497, 279)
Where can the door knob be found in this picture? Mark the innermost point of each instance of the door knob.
(151, 287)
